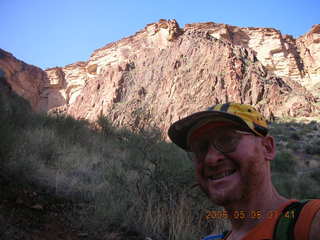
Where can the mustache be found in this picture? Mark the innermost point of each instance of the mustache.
(209, 169)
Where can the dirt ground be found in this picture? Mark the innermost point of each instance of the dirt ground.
(27, 214)
(36, 215)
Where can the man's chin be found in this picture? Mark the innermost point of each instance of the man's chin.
(222, 197)
(225, 197)
(221, 200)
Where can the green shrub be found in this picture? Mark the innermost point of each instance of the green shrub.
(313, 147)
(286, 184)
(129, 180)
(15, 113)
(298, 186)
(284, 162)
(308, 188)
(105, 126)
(295, 136)
(8, 137)
(315, 175)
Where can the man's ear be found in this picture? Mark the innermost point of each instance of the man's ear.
(269, 147)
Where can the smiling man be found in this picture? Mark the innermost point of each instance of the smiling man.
(232, 151)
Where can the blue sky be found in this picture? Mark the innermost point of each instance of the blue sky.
(49, 33)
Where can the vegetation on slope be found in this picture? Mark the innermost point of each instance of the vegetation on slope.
(130, 183)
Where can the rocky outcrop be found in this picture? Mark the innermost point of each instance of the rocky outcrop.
(151, 79)
(65, 84)
(308, 46)
(286, 57)
(43, 89)
(24, 79)
(163, 73)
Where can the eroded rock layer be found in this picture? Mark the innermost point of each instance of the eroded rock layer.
(163, 73)
(297, 59)
(24, 79)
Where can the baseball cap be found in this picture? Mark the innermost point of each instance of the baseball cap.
(243, 115)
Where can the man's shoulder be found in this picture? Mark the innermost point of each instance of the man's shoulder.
(299, 220)
(305, 215)
(308, 223)
(315, 227)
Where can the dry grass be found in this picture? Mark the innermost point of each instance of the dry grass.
(132, 181)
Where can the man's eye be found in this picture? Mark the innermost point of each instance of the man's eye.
(225, 139)
(202, 147)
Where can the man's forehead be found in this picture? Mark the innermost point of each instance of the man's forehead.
(215, 125)
(210, 127)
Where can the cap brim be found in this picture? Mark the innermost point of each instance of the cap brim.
(179, 130)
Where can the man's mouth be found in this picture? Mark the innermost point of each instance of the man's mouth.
(222, 174)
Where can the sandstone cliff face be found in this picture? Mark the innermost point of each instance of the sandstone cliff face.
(163, 73)
(65, 84)
(309, 48)
(286, 57)
(43, 89)
(24, 79)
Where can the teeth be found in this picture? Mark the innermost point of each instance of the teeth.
(222, 175)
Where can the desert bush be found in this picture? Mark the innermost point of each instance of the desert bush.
(15, 113)
(146, 188)
(286, 184)
(293, 145)
(153, 177)
(292, 183)
(307, 188)
(127, 177)
(68, 128)
(182, 220)
(294, 136)
(8, 137)
(130, 180)
(284, 162)
(313, 146)
(105, 125)
(288, 181)
(315, 175)
(66, 168)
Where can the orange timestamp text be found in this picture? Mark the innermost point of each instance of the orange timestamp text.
(241, 214)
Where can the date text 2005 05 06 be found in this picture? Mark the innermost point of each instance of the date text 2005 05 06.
(254, 214)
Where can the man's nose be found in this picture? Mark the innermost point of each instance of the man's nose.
(213, 155)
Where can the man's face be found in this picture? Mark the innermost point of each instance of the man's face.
(234, 176)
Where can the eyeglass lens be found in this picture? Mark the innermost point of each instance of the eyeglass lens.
(223, 140)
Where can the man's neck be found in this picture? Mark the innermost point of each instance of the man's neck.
(246, 214)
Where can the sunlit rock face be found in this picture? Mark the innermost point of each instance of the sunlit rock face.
(286, 57)
(165, 72)
(24, 79)
(65, 84)
(309, 49)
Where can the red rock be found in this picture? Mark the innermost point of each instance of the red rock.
(163, 73)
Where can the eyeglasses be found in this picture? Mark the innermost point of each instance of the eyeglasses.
(223, 140)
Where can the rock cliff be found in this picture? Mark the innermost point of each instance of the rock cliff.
(24, 79)
(297, 59)
(308, 46)
(165, 72)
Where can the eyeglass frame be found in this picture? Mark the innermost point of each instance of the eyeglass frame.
(212, 144)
